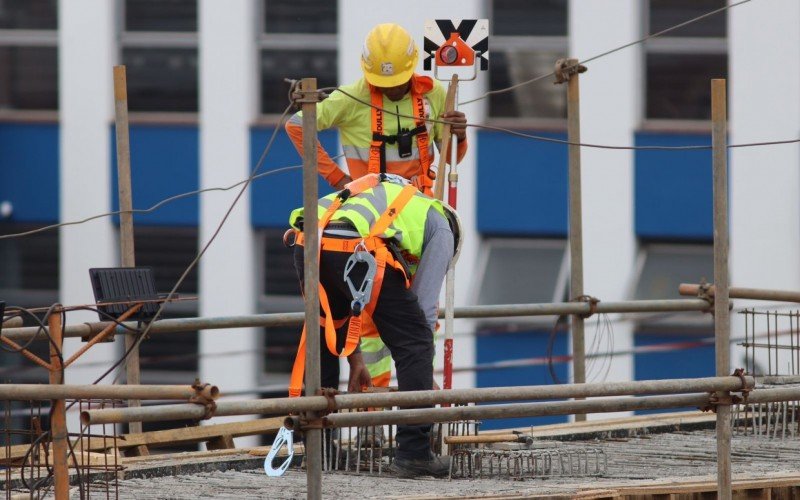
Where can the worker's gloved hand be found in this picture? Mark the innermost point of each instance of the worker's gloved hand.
(458, 126)
(359, 375)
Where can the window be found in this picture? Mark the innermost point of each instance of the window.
(297, 39)
(681, 63)
(280, 293)
(518, 25)
(522, 271)
(661, 268)
(159, 49)
(28, 55)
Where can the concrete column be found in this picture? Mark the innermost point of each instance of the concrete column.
(354, 23)
(611, 96)
(87, 52)
(764, 181)
(228, 105)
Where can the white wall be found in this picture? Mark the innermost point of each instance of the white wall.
(228, 106)
(87, 51)
(764, 97)
(355, 21)
(611, 95)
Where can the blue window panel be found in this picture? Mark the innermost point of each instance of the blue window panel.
(673, 189)
(275, 196)
(684, 356)
(164, 163)
(495, 346)
(522, 185)
(29, 173)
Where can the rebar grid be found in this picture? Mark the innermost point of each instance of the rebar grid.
(97, 454)
(485, 463)
(25, 462)
(772, 349)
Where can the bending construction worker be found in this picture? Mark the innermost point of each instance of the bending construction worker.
(376, 142)
(377, 234)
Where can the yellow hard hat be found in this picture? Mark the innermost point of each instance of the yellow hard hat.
(389, 56)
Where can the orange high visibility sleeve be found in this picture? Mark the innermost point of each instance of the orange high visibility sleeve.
(325, 164)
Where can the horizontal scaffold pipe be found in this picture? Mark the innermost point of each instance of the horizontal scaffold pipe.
(692, 289)
(417, 398)
(455, 413)
(295, 319)
(601, 405)
(25, 392)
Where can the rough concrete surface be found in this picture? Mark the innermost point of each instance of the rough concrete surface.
(640, 460)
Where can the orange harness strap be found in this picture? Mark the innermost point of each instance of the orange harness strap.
(382, 256)
(377, 147)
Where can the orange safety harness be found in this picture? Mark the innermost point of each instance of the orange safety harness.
(373, 243)
(377, 148)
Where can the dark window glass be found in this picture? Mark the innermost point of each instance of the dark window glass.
(300, 16)
(665, 268)
(532, 18)
(679, 87)
(161, 79)
(668, 13)
(169, 251)
(28, 262)
(280, 348)
(28, 14)
(161, 15)
(541, 99)
(28, 78)
(279, 273)
(277, 65)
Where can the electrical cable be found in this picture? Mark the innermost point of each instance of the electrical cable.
(141, 336)
(609, 52)
(154, 207)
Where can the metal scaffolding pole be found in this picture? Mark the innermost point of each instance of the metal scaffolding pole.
(165, 326)
(23, 392)
(694, 289)
(722, 324)
(418, 398)
(308, 99)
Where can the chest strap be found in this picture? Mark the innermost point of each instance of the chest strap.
(382, 257)
(377, 149)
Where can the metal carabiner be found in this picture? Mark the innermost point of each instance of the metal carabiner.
(284, 437)
(361, 294)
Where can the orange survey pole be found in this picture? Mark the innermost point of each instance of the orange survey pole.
(58, 421)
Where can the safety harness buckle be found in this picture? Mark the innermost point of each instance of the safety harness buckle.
(362, 294)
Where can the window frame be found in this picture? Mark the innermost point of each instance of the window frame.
(158, 40)
(29, 38)
(675, 45)
(286, 41)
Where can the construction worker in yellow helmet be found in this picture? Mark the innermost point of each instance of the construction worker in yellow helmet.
(375, 141)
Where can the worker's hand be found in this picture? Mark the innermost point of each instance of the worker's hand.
(459, 124)
(340, 185)
(359, 375)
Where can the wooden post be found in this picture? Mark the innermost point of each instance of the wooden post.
(719, 131)
(449, 105)
(58, 421)
(308, 88)
(132, 372)
(575, 225)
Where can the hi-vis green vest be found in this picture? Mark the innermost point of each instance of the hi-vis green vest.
(364, 209)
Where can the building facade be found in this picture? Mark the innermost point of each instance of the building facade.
(206, 90)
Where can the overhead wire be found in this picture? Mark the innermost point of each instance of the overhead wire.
(608, 52)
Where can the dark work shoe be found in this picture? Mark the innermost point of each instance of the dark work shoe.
(415, 467)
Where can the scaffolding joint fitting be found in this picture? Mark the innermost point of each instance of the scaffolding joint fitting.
(205, 395)
(592, 301)
(725, 398)
(330, 397)
(565, 68)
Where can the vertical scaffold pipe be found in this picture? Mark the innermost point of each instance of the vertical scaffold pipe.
(308, 87)
(719, 126)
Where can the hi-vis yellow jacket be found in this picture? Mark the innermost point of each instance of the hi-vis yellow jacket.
(355, 123)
